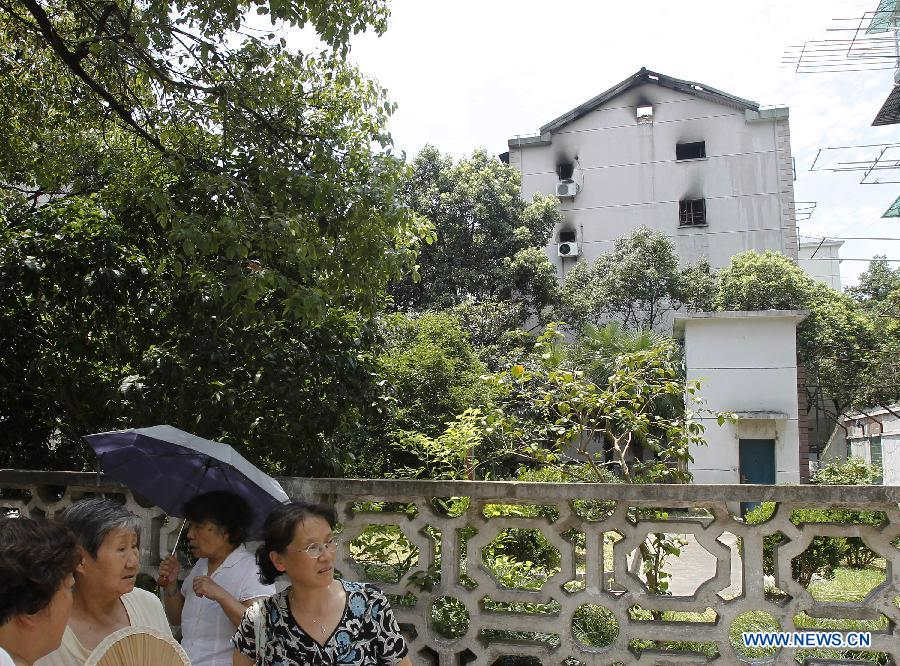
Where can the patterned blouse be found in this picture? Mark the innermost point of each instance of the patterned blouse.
(367, 634)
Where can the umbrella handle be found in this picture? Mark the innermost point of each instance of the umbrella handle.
(177, 540)
(180, 532)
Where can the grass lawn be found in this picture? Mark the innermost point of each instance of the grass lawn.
(846, 585)
(849, 584)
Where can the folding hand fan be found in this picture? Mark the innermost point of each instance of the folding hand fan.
(138, 646)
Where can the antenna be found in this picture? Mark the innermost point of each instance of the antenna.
(859, 44)
(870, 42)
(803, 210)
(878, 162)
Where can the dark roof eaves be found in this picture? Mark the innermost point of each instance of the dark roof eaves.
(591, 104)
(642, 76)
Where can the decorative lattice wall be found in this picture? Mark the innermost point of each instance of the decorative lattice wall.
(587, 600)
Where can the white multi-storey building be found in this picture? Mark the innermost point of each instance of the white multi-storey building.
(714, 173)
(821, 260)
(708, 169)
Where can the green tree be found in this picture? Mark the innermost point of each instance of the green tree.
(546, 410)
(876, 282)
(75, 299)
(763, 281)
(425, 377)
(488, 240)
(431, 371)
(841, 345)
(292, 184)
(595, 351)
(636, 284)
(160, 69)
(197, 226)
(878, 291)
(101, 332)
(550, 410)
(495, 329)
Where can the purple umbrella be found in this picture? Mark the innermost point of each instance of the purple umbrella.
(168, 467)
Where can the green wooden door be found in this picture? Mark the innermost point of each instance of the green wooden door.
(756, 460)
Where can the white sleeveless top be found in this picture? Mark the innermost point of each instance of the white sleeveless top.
(144, 610)
(5, 658)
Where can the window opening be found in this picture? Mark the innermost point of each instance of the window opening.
(690, 151)
(564, 170)
(692, 212)
(567, 236)
(876, 456)
(644, 113)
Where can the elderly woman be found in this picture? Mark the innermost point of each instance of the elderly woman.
(317, 619)
(105, 597)
(221, 585)
(37, 558)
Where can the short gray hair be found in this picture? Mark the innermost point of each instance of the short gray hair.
(92, 519)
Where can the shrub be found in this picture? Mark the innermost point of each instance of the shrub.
(852, 472)
(824, 554)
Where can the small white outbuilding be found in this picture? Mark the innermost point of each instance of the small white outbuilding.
(747, 365)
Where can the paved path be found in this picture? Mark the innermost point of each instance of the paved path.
(696, 565)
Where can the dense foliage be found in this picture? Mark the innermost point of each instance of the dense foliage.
(197, 227)
(425, 374)
(488, 241)
(637, 284)
(878, 284)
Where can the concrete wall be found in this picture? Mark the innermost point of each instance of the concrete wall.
(746, 363)
(890, 455)
(825, 266)
(805, 426)
(882, 422)
(859, 448)
(629, 176)
(720, 563)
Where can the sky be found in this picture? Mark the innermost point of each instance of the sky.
(471, 74)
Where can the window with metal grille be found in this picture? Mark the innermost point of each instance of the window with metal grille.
(690, 151)
(692, 212)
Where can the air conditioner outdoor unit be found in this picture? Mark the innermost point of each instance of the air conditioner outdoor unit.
(566, 188)
(567, 249)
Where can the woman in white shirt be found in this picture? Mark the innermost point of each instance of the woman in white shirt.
(37, 558)
(105, 598)
(221, 585)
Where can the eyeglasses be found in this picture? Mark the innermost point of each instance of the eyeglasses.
(316, 550)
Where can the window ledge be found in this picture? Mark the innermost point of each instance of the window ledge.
(693, 159)
(693, 226)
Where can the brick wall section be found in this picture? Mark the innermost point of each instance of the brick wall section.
(803, 424)
(786, 188)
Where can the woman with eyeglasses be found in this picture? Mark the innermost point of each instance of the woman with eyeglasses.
(317, 619)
